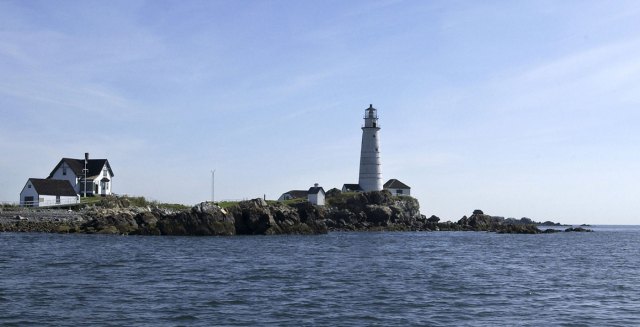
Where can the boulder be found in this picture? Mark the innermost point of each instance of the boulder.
(578, 229)
(378, 215)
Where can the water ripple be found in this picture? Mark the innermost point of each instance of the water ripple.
(372, 279)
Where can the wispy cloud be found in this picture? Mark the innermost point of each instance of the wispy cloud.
(604, 68)
(58, 94)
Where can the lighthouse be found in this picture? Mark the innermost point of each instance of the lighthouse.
(370, 176)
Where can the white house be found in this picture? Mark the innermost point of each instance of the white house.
(316, 195)
(47, 192)
(98, 173)
(397, 187)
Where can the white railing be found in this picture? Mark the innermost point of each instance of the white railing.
(46, 203)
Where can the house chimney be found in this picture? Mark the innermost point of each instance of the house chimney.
(86, 156)
(315, 185)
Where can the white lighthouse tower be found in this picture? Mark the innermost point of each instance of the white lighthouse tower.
(370, 176)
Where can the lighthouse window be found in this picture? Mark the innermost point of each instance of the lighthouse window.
(374, 124)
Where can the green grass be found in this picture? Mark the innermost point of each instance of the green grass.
(9, 207)
(227, 204)
(170, 206)
(90, 199)
(137, 201)
(132, 201)
(340, 198)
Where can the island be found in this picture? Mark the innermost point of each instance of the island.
(352, 211)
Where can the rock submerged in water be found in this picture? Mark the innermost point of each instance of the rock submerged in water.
(577, 229)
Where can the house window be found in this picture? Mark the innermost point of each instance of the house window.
(64, 170)
(57, 199)
(29, 186)
(104, 172)
(399, 192)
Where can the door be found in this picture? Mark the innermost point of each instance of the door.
(28, 201)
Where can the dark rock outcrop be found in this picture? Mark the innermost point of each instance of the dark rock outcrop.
(366, 211)
(258, 217)
(204, 219)
(373, 211)
(578, 229)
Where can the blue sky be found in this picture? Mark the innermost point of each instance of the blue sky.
(519, 108)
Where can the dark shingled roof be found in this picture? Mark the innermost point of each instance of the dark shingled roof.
(352, 187)
(94, 166)
(60, 187)
(394, 183)
(316, 190)
(297, 194)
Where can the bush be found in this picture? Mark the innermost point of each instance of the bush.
(333, 192)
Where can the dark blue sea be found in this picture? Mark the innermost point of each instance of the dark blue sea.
(339, 279)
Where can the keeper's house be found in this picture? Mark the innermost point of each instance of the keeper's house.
(99, 175)
(39, 192)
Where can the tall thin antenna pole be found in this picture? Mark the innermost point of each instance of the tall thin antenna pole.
(213, 185)
(85, 175)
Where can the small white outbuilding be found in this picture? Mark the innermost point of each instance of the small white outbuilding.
(397, 187)
(47, 192)
(316, 194)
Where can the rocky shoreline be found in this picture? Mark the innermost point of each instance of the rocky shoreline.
(370, 211)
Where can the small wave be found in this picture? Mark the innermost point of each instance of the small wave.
(184, 317)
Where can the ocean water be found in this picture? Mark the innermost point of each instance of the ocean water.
(339, 279)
